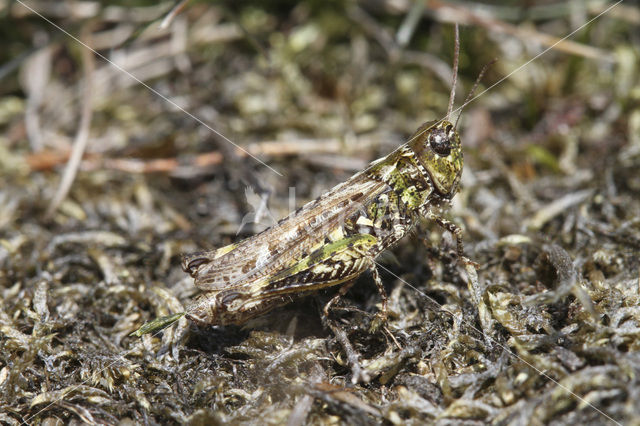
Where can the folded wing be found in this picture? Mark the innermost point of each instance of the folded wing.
(283, 244)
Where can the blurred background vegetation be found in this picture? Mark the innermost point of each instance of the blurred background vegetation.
(186, 117)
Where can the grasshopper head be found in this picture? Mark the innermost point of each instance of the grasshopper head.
(438, 149)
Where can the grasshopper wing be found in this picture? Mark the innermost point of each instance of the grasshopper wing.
(285, 243)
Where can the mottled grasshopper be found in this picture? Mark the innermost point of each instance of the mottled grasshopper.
(332, 240)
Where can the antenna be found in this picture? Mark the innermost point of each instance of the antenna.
(456, 55)
(475, 86)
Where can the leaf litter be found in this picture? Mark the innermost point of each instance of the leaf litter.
(547, 332)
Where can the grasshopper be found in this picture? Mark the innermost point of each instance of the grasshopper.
(332, 240)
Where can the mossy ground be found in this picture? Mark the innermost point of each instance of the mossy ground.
(550, 203)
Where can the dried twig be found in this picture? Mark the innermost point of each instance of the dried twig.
(47, 159)
(173, 13)
(80, 142)
(448, 13)
(35, 75)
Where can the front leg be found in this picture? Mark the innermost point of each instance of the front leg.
(457, 233)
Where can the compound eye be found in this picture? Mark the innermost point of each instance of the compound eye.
(440, 145)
